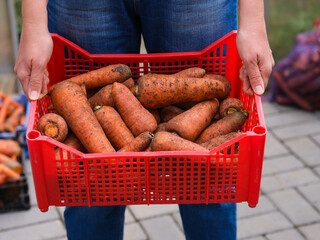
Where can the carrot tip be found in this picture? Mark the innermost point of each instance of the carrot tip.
(96, 108)
(246, 113)
(231, 110)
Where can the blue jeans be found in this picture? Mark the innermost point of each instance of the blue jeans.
(106, 26)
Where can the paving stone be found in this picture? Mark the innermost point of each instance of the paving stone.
(264, 205)
(62, 238)
(288, 179)
(22, 218)
(31, 190)
(280, 164)
(316, 138)
(312, 193)
(27, 167)
(290, 234)
(144, 211)
(270, 108)
(306, 149)
(128, 218)
(133, 231)
(298, 130)
(295, 207)
(273, 147)
(317, 170)
(255, 238)
(312, 232)
(42, 231)
(160, 228)
(61, 211)
(262, 224)
(287, 118)
(177, 218)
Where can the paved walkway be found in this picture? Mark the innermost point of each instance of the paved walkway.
(289, 206)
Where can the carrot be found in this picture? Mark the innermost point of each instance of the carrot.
(186, 105)
(217, 141)
(54, 126)
(3, 112)
(230, 123)
(73, 142)
(14, 119)
(156, 90)
(102, 76)
(225, 81)
(165, 141)
(70, 102)
(167, 113)
(113, 126)
(104, 96)
(138, 144)
(137, 118)
(8, 172)
(195, 72)
(14, 166)
(192, 122)
(4, 158)
(162, 127)
(156, 114)
(230, 105)
(10, 147)
(3, 178)
(148, 149)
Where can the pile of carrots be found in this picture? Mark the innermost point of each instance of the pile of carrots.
(10, 168)
(106, 111)
(12, 114)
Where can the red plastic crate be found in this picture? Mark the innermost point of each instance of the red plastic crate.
(66, 177)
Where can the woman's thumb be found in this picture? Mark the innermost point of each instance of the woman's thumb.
(35, 83)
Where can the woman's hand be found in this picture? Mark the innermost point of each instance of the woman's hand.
(257, 59)
(34, 54)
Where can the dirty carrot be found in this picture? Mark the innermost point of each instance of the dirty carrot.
(162, 127)
(3, 113)
(230, 123)
(102, 76)
(192, 122)
(70, 102)
(104, 97)
(113, 126)
(217, 141)
(138, 144)
(156, 114)
(167, 113)
(14, 166)
(10, 147)
(225, 81)
(137, 118)
(8, 172)
(230, 105)
(73, 142)
(165, 141)
(14, 119)
(4, 158)
(156, 90)
(54, 126)
(195, 72)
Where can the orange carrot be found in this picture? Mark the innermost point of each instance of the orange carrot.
(73, 142)
(8, 172)
(167, 113)
(217, 141)
(162, 127)
(14, 166)
(138, 144)
(4, 158)
(14, 119)
(54, 126)
(113, 126)
(186, 105)
(225, 81)
(192, 122)
(102, 77)
(137, 118)
(230, 105)
(10, 147)
(3, 179)
(70, 102)
(230, 123)
(165, 141)
(3, 113)
(156, 90)
(104, 96)
(156, 114)
(195, 72)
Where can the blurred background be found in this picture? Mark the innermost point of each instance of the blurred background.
(289, 206)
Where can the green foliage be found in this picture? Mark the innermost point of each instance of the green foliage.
(18, 14)
(287, 18)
